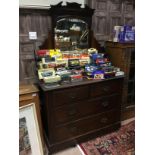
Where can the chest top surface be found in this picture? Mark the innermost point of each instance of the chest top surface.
(45, 87)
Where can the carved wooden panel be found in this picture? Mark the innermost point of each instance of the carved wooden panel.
(100, 19)
(128, 6)
(115, 6)
(101, 27)
(114, 20)
(27, 68)
(101, 5)
(31, 20)
(26, 47)
(129, 20)
(101, 24)
(129, 13)
(115, 15)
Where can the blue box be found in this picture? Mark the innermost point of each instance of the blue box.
(127, 34)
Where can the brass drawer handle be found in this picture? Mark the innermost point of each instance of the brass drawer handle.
(104, 120)
(105, 104)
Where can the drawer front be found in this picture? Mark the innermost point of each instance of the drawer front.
(106, 88)
(85, 126)
(70, 95)
(73, 112)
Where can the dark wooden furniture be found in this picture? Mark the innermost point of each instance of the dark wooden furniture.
(29, 94)
(76, 112)
(80, 111)
(123, 55)
(72, 11)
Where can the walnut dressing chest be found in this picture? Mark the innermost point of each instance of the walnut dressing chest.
(76, 112)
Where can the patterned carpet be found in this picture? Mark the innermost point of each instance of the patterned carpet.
(121, 142)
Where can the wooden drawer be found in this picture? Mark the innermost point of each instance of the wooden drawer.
(70, 95)
(106, 88)
(84, 126)
(76, 111)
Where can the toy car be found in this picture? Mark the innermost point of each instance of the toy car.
(89, 69)
(98, 75)
(74, 63)
(64, 74)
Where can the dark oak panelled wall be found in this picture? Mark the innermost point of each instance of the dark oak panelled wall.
(108, 13)
(31, 20)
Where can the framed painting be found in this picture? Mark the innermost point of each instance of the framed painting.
(29, 134)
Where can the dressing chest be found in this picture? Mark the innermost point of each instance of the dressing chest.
(79, 111)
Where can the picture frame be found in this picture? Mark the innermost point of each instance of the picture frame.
(29, 134)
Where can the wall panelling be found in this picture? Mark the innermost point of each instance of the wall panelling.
(109, 13)
(31, 20)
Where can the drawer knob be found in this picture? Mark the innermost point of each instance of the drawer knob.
(104, 120)
(105, 103)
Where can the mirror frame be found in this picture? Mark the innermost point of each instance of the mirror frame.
(72, 10)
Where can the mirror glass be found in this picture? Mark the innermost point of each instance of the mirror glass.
(71, 33)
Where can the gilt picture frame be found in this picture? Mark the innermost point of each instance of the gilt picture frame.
(29, 134)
